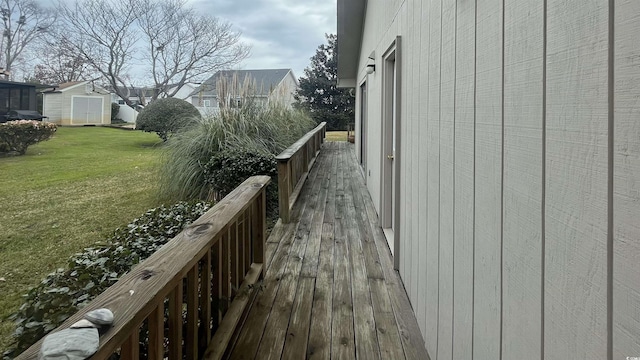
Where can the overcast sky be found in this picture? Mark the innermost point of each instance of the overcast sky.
(282, 33)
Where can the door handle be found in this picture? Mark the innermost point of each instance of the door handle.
(390, 157)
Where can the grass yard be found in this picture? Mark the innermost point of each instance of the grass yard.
(64, 195)
(336, 136)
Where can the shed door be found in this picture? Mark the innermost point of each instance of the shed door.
(86, 110)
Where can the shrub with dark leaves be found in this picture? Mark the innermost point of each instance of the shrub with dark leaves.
(229, 168)
(65, 291)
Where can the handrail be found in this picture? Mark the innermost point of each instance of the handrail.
(218, 257)
(294, 164)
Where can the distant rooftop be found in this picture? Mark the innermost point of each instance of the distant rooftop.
(265, 79)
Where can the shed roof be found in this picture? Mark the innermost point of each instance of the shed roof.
(69, 84)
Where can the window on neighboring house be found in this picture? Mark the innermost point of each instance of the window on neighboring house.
(207, 103)
(236, 103)
(120, 102)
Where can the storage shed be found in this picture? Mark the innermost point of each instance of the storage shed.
(77, 103)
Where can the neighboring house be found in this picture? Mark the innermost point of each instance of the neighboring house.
(270, 85)
(500, 142)
(77, 103)
(16, 96)
(144, 95)
(137, 96)
(185, 92)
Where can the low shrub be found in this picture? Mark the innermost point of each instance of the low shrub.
(65, 291)
(227, 169)
(167, 116)
(18, 135)
(4, 148)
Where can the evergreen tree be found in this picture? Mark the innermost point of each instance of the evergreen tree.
(318, 92)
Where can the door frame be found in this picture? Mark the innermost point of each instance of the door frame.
(362, 138)
(390, 175)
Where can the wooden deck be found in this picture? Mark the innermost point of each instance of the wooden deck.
(330, 290)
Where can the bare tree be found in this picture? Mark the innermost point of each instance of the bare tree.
(103, 33)
(24, 21)
(60, 63)
(183, 45)
(173, 42)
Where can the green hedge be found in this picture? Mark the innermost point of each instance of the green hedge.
(65, 291)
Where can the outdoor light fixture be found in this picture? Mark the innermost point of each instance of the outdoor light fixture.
(371, 68)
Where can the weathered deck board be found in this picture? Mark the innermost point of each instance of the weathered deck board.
(319, 346)
(364, 323)
(252, 330)
(342, 333)
(330, 290)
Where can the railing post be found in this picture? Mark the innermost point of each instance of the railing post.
(284, 177)
(259, 229)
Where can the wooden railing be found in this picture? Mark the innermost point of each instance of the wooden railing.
(215, 261)
(293, 165)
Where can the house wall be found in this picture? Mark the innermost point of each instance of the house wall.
(185, 92)
(285, 90)
(519, 172)
(52, 107)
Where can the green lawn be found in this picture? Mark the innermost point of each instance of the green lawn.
(64, 195)
(336, 136)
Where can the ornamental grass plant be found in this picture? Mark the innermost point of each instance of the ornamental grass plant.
(244, 124)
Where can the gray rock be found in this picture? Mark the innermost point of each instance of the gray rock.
(84, 323)
(100, 316)
(70, 344)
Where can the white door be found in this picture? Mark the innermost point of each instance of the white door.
(390, 144)
(86, 110)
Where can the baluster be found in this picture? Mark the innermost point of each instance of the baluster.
(258, 225)
(283, 190)
(205, 297)
(192, 313)
(247, 240)
(217, 280)
(226, 288)
(175, 322)
(130, 349)
(233, 258)
(156, 332)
